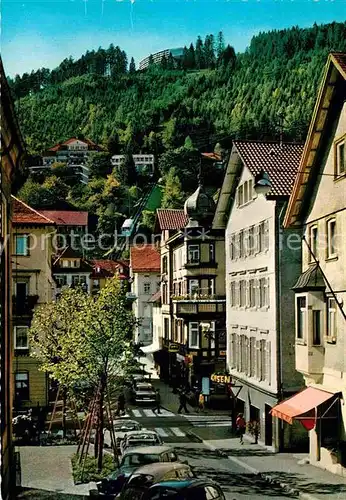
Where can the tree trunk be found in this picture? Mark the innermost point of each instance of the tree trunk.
(64, 413)
(101, 425)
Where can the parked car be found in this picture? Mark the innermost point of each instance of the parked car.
(131, 460)
(140, 481)
(183, 489)
(122, 427)
(144, 393)
(143, 437)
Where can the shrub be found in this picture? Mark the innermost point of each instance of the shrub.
(91, 472)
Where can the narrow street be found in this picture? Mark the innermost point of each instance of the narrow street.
(185, 433)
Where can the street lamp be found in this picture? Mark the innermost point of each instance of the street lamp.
(262, 183)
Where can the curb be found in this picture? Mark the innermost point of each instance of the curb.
(264, 475)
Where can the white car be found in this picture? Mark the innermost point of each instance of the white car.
(122, 427)
(135, 439)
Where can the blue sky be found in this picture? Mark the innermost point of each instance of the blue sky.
(42, 33)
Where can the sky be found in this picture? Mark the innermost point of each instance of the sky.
(37, 34)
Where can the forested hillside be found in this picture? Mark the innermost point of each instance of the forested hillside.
(212, 93)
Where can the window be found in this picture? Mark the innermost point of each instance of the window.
(22, 386)
(316, 327)
(194, 335)
(65, 263)
(340, 158)
(22, 244)
(261, 230)
(233, 350)
(252, 356)
(96, 284)
(165, 293)
(193, 286)
(211, 252)
(164, 265)
(233, 249)
(21, 340)
(251, 241)
(240, 196)
(331, 319)
(263, 292)
(61, 280)
(193, 254)
(314, 241)
(301, 317)
(233, 294)
(263, 370)
(245, 191)
(242, 293)
(147, 288)
(174, 262)
(166, 328)
(252, 293)
(331, 236)
(78, 280)
(241, 244)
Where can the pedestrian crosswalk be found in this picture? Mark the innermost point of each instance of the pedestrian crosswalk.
(147, 413)
(196, 420)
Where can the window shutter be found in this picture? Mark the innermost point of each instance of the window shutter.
(258, 360)
(257, 239)
(247, 294)
(266, 235)
(268, 292)
(268, 363)
(257, 293)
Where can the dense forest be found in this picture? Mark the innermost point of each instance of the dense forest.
(273, 83)
(174, 109)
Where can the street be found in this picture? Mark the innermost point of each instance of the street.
(185, 433)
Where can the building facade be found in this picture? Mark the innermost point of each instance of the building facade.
(145, 277)
(74, 152)
(259, 264)
(143, 162)
(103, 269)
(32, 252)
(158, 57)
(318, 204)
(12, 152)
(69, 269)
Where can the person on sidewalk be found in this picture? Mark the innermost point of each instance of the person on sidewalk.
(240, 426)
(200, 403)
(121, 405)
(182, 401)
(157, 408)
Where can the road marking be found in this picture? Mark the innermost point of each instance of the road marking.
(212, 424)
(161, 432)
(149, 413)
(166, 413)
(177, 431)
(233, 459)
(136, 413)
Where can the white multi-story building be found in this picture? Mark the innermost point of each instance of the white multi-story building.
(318, 205)
(141, 161)
(260, 265)
(146, 280)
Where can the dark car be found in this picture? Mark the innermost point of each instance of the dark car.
(140, 481)
(131, 460)
(189, 489)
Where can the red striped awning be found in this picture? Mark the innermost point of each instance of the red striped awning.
(302, 406)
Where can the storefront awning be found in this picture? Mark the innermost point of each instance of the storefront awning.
(150, 349)
(298, 406)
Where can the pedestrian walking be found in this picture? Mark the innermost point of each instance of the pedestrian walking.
(201, 400)
(240, 426)
(157, 401)
(182, 401)
(121, 404)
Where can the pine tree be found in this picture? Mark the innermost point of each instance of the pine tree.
(132, 67)
(220, 45)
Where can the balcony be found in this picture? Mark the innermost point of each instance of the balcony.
(24, 307)
(194, 304)
(192, 264)
(310, 360)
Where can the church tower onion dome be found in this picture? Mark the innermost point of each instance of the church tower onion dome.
(199, 207)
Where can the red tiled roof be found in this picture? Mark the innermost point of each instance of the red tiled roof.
(23, 214)
(145, 258)
(90, 143)
(169, 218)
(67, 217)
(280, 162)
(212, 156)
(109, 268)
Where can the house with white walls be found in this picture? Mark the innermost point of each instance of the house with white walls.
(146, 280)
(261, 261)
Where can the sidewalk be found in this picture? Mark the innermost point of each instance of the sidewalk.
(286, 469)
(49, 468)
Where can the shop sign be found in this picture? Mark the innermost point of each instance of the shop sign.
(174, 347)
(220, 379)
(222, 353)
